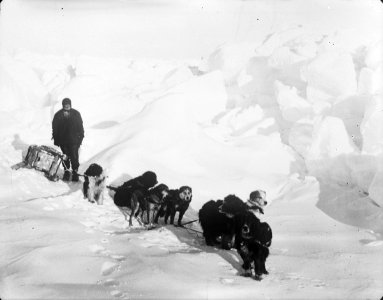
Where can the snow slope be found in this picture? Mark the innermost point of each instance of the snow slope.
(267, 96)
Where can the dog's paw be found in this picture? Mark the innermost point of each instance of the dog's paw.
(247, 273)
(151, 226)
(257, 277)
(210, 243)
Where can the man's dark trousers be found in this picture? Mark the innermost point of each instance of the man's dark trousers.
(71, 151)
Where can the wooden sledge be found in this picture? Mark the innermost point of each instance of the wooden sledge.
(42, 158)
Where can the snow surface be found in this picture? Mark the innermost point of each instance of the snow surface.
(223, 96)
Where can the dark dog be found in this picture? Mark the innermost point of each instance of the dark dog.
(217, 220)
(130, 194)
(153, 201)
(232, 206)
(212, 221)
(252, 237)
(177, 200)
(217, 217)
(252, 241)
(94, 184)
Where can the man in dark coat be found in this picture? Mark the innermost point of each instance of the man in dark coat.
(68, 133)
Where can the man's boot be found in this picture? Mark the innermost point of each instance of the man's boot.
(66, 176)
(75, 176)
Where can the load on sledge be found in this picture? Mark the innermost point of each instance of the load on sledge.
(42, 158)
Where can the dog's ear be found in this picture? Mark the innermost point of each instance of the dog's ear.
(163, 187)
(184, 187)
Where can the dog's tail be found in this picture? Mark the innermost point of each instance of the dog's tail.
(112, 188)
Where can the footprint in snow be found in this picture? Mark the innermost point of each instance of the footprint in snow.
(284, 276)
(117, 294)
(111, 282)
(108, 268)
(375, 244)
(318, 283)
(96, 248)
(226, 281)
(118, 257)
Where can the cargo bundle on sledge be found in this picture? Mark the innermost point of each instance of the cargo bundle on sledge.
(42, 158)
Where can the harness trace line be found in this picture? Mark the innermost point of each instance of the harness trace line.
(261, 244)
(82, 175)
(190, 222)
(197, 231)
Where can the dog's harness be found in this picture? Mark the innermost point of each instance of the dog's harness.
(256, 208)
(153, 199)
(101, 179)
(267, 245)
(82, 175)
(181, 201)
(121, 188)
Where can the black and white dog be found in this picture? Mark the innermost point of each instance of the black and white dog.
(257, 203)
(176, 200)
(94, 184)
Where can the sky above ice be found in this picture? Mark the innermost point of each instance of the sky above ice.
(174, 29)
